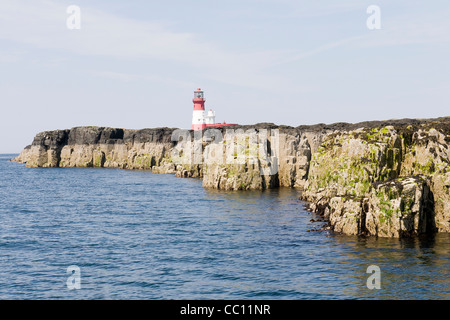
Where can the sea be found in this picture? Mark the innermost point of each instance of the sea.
(83, 233)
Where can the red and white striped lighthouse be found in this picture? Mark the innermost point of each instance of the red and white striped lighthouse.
(198, 117)
(202, 119)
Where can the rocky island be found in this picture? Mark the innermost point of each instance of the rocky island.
(378, 178)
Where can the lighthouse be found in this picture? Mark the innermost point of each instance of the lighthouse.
(202, 119)
(198, 117)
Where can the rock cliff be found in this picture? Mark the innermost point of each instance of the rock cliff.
(382, 178)
(100, 147)
(390, 179)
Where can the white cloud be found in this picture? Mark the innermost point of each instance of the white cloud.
(132, 77)
(318, 50)
(397, 30)
(42, 24)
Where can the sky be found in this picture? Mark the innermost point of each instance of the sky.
(135, 64)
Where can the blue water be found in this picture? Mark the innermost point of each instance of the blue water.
(138, 235)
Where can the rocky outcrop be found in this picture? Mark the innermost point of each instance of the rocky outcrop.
(391, 180)
(101, 147)
(382, 178)
(400, 207)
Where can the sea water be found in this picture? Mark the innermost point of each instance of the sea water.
(139, 235)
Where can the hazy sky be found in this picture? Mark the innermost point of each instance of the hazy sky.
(135, 64)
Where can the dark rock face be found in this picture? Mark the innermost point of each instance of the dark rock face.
(51, 139)
(94, 135)
(158, 135)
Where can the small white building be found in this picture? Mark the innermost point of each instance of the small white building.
(210, 117)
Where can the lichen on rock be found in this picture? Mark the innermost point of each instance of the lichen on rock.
(392, 180)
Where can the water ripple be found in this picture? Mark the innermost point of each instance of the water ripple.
(138, 235)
